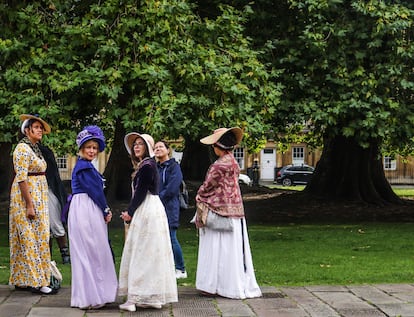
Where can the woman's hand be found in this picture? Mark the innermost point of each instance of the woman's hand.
(30, 213)
(125, 216)
(30, 210)
(198, 223)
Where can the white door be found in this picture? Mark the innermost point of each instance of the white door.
(267, 164)
(298, 155)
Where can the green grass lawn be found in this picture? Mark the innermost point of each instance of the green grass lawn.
(400, 191)
(404, 192)
(293, 254)
(296, 187)
(333, 254)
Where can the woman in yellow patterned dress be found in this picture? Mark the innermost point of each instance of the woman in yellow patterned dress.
(29, 215)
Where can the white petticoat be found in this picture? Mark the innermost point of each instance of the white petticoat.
(147, 271)
(55, 220)
(225, 265)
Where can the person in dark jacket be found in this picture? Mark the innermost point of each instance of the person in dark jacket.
(57, 199)
(170, 180)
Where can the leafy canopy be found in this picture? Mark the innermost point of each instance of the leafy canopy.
(347, 68)
(154, 66)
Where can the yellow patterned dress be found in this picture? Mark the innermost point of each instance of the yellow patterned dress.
(29, 239)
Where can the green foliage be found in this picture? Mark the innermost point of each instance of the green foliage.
(347, 67)
(363, 57)
(344, 68)
(154, 66)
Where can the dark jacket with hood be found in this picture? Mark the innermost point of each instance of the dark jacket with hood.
(52, 175)
(170, 182)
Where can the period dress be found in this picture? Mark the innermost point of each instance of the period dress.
(29, 239)
(94, 280)
(225, 265)
(147, 271)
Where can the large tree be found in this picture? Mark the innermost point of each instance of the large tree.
(355, 84)
(148, 66)
(348, 72)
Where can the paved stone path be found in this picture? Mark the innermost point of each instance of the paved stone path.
(396, 300)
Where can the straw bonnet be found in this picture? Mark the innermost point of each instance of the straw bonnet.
(218, 133)
(26, 117)
(91, 132)
(131, 137)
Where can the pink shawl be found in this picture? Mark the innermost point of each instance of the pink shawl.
(220, 191)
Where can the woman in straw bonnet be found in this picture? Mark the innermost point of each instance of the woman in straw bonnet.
(94, 281)
(225, 266)
(147, 272)
(29, 214)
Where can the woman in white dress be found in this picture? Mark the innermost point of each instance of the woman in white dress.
(225, 265)
(147, 271)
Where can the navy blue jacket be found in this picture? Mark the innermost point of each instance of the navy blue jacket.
(170, 181)
(145, 180)
(86, 179)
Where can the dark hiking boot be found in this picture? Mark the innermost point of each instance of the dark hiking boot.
(65, 255)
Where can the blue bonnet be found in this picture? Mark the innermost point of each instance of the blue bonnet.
(91, 132)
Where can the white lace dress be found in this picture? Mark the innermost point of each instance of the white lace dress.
(147, 271)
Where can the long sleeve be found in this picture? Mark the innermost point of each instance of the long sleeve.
(93, 187)
(171, 182)
(86, 179)
(146, 180)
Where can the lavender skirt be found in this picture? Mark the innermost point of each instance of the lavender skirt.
(94, 279)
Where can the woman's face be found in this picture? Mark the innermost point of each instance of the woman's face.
(90, 150)
(140, 148)
(35, 132)
(217, 150)
(161, 152)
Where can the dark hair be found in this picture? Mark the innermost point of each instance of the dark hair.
(28, 125)
(166, 144)
(227, 141)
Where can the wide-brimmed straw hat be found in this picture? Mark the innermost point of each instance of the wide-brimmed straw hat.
(218, 133)
(131, 137)
(91, 132)
(26, 117)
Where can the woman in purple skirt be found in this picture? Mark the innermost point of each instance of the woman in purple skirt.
(94, 280)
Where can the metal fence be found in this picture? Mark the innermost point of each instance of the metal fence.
(396, 178)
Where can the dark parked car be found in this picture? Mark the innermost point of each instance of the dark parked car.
(294, 174)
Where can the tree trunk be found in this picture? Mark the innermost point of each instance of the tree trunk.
(6, 169)
(346, 171)
(118, 169)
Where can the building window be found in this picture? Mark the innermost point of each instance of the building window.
(298, 155)
(239, 156)
(62, 162)
(390, 164)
